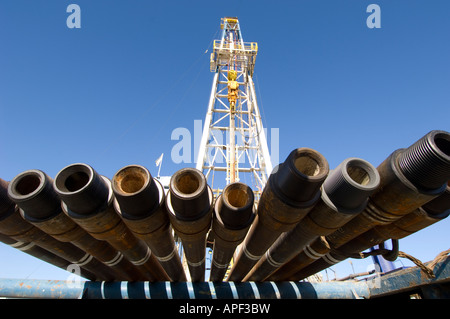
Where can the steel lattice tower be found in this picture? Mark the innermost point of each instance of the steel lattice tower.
(233, 143)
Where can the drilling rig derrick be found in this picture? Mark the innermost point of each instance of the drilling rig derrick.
(233, 139)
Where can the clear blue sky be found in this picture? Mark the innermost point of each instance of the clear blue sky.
(110, 93)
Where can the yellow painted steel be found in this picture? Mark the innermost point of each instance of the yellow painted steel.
(232, 75)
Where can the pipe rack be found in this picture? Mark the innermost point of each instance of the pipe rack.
(408, 280)
(305, 221)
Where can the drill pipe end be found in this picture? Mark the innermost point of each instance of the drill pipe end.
(189, 194)
(301, 175)
(135, 190)
(235, 206)
(189, 206)
(426, 163)
(81, 188)
(33, 193)
(351, 183)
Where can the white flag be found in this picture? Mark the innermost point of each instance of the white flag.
(159, 160)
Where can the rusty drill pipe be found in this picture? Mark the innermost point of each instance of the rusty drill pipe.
(313, 251)
(427, 215)
(33, 192)
(42, 254)
(345, 193)
(330, 259)
(7, 207)
(440, 204)
(396, 197)
(290, 193)
(404, 185)
(14, 226)
(405, 226)
(430, 213)
(87, 198)
(407, 180)
(233, 215)
(401, 228)
(140, 202)
(189, 203)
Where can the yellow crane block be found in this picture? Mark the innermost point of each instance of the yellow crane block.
(232, 75)
(233, 88)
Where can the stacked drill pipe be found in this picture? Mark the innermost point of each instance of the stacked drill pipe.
(291, 192)
(42, 254)
(409, 179)
(140, 201)
(33, 192)
(430, 213)
(405, 226)
(87, 198)
(345, 193)
(30, 248)
(233, 215)
(189, 203)
(15, 227)
(312, 252)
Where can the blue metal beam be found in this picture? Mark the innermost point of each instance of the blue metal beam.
(47, 289)
(409, 279)
(393, 283)
(51, 289)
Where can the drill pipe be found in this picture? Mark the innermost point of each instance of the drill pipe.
(7, 205)
(87, 198)
(233, 214)
(405, 226)
(39, 204)
(345, 193)
(14, 226)
(140, 202)
(409, 178)
(405, 180)
(189, 203)
(315, 250)
(440, 204)
(428, 214)
(42, 254)
(291, 192)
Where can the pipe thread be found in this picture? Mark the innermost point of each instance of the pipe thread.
(351, 183)
(426, 163)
